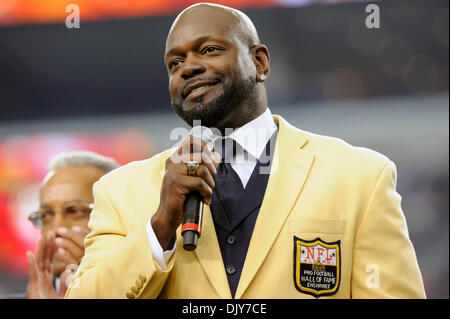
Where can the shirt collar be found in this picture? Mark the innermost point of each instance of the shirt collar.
(254, 136)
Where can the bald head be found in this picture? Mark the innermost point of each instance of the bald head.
(70, 183)
(225, 18)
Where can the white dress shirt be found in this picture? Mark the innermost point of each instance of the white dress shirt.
(252, 139)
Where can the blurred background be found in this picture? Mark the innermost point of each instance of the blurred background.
(103, 87)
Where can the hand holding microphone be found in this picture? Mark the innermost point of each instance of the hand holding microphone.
(193, 204)
(180, 191)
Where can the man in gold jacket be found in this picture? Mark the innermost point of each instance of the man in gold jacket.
(325, 223)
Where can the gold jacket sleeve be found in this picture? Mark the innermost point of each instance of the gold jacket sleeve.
(116, 264)
(384, 261)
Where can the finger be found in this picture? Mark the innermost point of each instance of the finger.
(63, 259)
(216, 159)
(70, 247)
(32, 271)
(197, 147)
(213, 164)
(205, 174)
(49, 244)
(207, 157)
(65, 279)
(193, 144)
(211, 160)
(59, 266)
(46, 284)
(49, 278)
(193, 183)
(50, 271)
(199, 157)
(45, 272)
(47, 266)
(40, 284)
(197, 144)
(77, 238)
(40, 249)
(38, 270)
(184, 159)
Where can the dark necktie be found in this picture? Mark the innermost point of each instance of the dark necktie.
(228, 185)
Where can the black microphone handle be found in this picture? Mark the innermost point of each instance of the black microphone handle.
(192, 220)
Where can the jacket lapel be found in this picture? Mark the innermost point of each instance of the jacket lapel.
(210, 257)
(289, 171)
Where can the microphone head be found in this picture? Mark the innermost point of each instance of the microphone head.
(205, 134)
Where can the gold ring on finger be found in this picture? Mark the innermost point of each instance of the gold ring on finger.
(191, 168)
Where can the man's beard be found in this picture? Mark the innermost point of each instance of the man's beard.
(212, 113)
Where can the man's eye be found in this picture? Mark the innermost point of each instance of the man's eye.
(210, 49)
(74, 210)
(46, 215)
(173, 64)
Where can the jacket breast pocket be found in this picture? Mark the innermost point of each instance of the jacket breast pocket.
(317, 255)
(318, 226)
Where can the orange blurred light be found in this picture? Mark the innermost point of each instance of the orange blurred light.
(53, 11)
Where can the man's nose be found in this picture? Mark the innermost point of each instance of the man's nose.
(192, 66)
(59, 221)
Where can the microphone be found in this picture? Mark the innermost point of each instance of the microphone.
(193, 205)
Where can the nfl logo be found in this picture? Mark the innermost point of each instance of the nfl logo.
(317, 266)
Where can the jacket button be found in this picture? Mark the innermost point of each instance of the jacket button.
(230, 270)
(135, 290)
(139, 284)
(129, 295)
(231, 240)
(143, 278)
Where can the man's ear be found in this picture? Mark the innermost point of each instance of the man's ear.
(261, 58)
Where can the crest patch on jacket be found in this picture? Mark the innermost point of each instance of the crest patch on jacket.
(317, 266)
